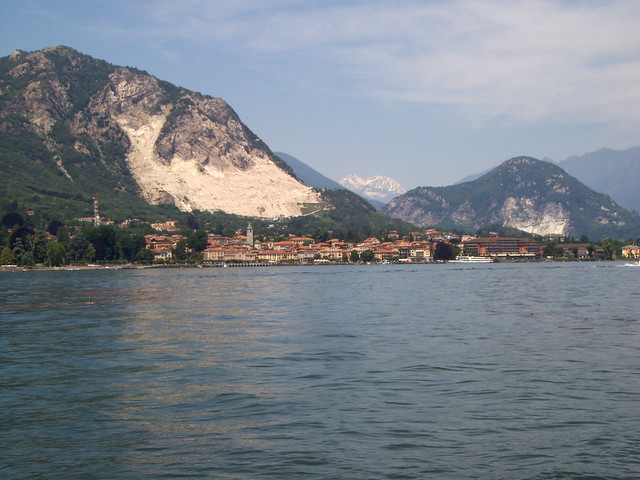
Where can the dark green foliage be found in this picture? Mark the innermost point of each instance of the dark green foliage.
(54, 226)
(129, 245)
(144, 256)
(444, 251)
(78, 247)
(367, 256)
(11, 220)
(104, 241)
(23, 236)
(180, 252)
(197, 241)
(56, 254)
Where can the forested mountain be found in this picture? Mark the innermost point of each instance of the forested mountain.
(524, 193)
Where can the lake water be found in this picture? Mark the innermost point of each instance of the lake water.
(498, 371)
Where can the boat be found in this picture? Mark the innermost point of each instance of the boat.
(471, 259)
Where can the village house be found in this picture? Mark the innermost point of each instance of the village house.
(162, 245)
(168, 226)
(302, 240)
(582, 251)
(229, 254)
(631, 251)
(277, 256)
(284, 245)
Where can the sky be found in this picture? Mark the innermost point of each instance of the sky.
(426, 92)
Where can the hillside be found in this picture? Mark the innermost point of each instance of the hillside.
(73, 127)
(524, 193)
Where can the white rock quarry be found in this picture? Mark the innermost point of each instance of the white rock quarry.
(198, 155)
(264, 190)
(522, 214)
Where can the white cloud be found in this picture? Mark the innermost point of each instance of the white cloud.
(526, 61)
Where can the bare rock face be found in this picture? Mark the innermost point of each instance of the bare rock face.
(181, 147)
(547, 218)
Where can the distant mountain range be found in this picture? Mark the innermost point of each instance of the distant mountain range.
(378, 187)
(614, 172)
(524, 193)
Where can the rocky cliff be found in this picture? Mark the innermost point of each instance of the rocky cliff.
(524, 193)
(143, 136)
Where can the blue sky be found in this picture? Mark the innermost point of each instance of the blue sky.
(426, 92)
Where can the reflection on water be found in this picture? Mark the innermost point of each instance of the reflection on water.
(435, 371)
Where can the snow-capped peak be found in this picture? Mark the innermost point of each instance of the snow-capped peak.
(378, 187)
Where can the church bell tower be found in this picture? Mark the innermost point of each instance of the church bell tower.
(250, 235)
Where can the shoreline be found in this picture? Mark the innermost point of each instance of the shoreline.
(132, 266)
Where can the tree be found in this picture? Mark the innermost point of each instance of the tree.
(180, 251)
(23, 236)
(56, 254)
(6, 257)
(63, 235)
(130, 245)
(78, 246)
(104, 241)
(18, 251)
(354, 256)
(28, 260)
(197, 241)
(145, 256)
(54, 226)
(90, 253)
(444, 251)
(367, 256)
(13, 219)
(550, 249)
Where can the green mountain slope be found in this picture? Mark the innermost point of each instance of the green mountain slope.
(525, 193)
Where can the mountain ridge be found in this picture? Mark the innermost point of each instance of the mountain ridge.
(525, 193)
(165, 143)
(610, 171)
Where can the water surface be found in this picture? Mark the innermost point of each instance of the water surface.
(500, 371)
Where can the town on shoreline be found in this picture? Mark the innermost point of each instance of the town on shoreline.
(106, 246)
